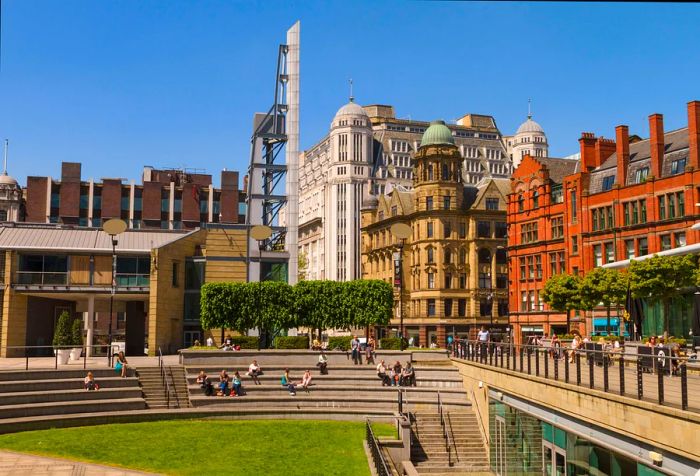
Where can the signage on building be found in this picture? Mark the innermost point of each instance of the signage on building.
(397, 269)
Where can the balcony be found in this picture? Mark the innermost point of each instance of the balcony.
(40, 278)
(131, 280)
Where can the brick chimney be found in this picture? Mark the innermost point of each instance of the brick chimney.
(622, 139)
(604, 148)
(694, 134)
(587, 144)
(656, 144)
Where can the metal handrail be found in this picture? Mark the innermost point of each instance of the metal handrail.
(380, 464)
(172, 378)
(166, 385)
(445, 433)
(83, 353)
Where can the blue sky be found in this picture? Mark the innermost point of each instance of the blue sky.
(121, 84)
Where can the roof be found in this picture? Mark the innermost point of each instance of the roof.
(559, 168)
(437, 133)
(675, 147)
(62, 238)
(529, 126)
(351, 108)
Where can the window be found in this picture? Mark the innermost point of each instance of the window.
(492, 203)
(501, 229)
(522, 268)
(680, 198)
(3, 215)
(643, 246)
(447, 229)
(463, 281)
(447, 257)
(501, 280)
(528, 232)
(678, 166)
(428, 203)
(665, 242)
(552, 264)
(431, 255)
(609, 253)
(485, 307)
(463, 256)
(531, 267)
(557, 194)
(662, 207)
(611, 217)
(671, 206)
(594, 219)
(574, 245)
(557, 225)
(572, 196)
(485, 280)
(462, 307)
(538, 266)
(626, 213)
(484, 256)
(431, 307)
(679, 239)
(562, 262)
(535, 199)
(448, 307)
(176, 269)
(598, 254)
(430, 172)
(448, 281)
(629, 249)
(501, 256)
(641, 175)
(635, 212)
(394, 210)
(502, 308)
(446, 203)
(483, 229)
(521, 203)
(430, 229)
(431, 280)
(608, 182)
(523, 301)
(643, 210)
(462, 230)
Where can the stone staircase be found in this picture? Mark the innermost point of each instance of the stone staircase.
(467, 452)
(154, 391)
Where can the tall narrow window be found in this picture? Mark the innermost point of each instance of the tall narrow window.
(662, 207)
(428, 203)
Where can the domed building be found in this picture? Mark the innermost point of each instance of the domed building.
(10, 195)
(453, 271)
(529, 139)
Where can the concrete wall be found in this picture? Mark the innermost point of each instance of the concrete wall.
(665, 428)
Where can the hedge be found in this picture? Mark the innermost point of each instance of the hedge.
(392, 343)
(246, 342)
(291, 342)
(339, 342)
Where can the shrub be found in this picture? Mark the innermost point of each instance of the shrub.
(246, 342)
(291, 342)
(339, 342)
(77, 333)
(62, 334)
(392, 343)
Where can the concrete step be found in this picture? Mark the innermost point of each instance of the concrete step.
(302, 400)
(27, 398)
(61, 408)
(65, 384)
(51, 374)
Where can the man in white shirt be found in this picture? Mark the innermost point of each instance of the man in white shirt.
(253, 371)
(483, 335)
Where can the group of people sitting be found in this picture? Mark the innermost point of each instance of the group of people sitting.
(396, 376)
(304, 383)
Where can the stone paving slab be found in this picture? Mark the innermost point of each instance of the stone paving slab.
(12, 463)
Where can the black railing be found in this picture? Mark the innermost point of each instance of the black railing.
(166, 385)
(660, 372)
(380, 465)
(445, 433)
(37, 352)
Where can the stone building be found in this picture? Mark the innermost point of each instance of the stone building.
(529, 139)
(372, 143)
(454, 271)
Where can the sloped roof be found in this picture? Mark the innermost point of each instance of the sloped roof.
(559, 168)
(62, 238)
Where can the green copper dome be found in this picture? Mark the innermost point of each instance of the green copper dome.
(437, 133)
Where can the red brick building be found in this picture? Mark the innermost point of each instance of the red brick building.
(622, 199)
(166, 199)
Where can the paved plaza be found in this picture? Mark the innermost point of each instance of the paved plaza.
(12, 463)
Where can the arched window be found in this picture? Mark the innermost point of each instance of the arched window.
(430, 172)
(501, 257)
(484, 256)
(448, 256)
(535, 199)
(521, 203)
(430, 255)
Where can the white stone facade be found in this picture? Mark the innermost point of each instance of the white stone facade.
(529, 139)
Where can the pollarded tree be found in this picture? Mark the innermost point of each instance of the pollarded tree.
(272, 305)
(659, 278)
(562, 292)
(226, 306)
(604, 286)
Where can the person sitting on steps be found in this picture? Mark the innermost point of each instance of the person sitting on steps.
(408, 376)
(236, 385)
(396, 374)
(205, 383)
(287, 382)
(381, 373)
(120, 367)
(306, 380)
(254, 371)
(323, 363)
(90, 383)
(223, 384)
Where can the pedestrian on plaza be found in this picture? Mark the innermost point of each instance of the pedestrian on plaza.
(355, 350)
(369, 351)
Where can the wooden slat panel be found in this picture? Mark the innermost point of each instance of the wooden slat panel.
(103, 270)
(80, 270)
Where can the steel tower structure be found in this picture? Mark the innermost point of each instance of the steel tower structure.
(273, 183)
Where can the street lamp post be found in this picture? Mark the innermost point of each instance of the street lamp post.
(113, 227)
(401, 231)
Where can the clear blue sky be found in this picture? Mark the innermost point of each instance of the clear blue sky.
(120, 84)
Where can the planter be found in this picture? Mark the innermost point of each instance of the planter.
(63, 356)
(75, 353)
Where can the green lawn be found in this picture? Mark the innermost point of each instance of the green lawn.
(283, 447)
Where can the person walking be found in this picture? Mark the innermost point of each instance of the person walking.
(369, 351)
(355, 348)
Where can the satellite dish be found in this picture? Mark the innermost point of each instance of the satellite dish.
(261, 232)
(114, 226)
(401, 230)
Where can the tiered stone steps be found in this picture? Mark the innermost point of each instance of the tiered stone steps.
(35, 393)
(346, 386)
(429, 453)
(154, 391)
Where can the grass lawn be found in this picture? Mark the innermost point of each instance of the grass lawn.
(283, 447)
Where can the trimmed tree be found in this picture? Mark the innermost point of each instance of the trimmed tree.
(659, 278)
(77, 333)
(604, 286)
(562, 292)
(62, 335)
(226, 306)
